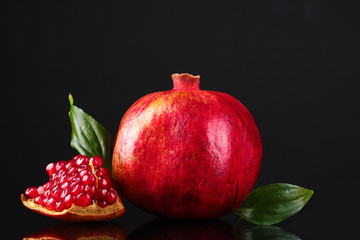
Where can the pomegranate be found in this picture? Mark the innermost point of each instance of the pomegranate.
(79, 190)
(187, 153)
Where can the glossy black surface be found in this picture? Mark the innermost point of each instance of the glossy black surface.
(294, 65)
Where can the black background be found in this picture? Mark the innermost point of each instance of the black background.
(293, 64)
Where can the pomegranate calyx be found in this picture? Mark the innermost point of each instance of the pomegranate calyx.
(185, 81)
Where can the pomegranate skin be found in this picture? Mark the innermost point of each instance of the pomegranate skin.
(187, 153)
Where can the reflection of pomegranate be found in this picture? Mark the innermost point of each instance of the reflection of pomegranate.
(187, 153)
(174, 229)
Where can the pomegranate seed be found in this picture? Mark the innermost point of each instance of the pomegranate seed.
(59, 206)
(40, 200)
(54, 177)
(61, 173)
(40, 190)
(65, 185)
(63, 179)
(72, 170)
(102, 204)
(50, 169)
(71, 176)
(50, 204)
(88, 179)
(47, 185)
(83, 200)
(102, 192)
(91, 190)
(84, 167)
(73, 184)
(56, 194)
(47, 193)
(60, 165)
(96, 161)
(77, 189)
(106, 172)
(31, 192)
(82, 160)
(82, 173)
(68, 201)
(64, 193)
(111, 197)
(56, 187)
(75, 180)
(99, 171)
(69, 164)
(104, 182)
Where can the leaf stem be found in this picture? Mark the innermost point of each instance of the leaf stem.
(71, 100)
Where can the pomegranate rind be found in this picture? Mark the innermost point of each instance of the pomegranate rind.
(75, 213)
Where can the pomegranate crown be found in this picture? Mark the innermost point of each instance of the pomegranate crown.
(185, 81)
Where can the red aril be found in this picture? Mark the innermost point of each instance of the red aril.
(97, 161)
(83, 200)
(31, 192)
(59, 206)
(68, 200)
(187, 153)
(50, 169)
(73, 190)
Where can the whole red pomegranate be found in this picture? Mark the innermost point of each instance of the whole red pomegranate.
(187, 153)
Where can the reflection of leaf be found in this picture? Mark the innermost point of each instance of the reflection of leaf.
(267, 233)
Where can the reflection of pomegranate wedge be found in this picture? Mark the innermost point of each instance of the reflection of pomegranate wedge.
(102, 230)
(79, 190)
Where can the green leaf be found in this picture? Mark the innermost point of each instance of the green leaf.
(273, 203)
(88, 136)
(266, 233)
